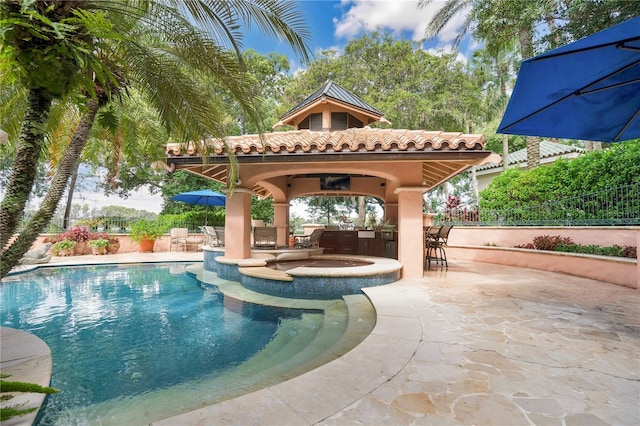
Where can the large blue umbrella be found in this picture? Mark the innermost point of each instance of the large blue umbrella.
(203, 197)
(589, 89)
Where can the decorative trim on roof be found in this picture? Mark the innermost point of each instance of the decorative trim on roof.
(350, 140)
(548, 149)
(334, 91)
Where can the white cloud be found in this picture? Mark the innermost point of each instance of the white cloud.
(397, 16)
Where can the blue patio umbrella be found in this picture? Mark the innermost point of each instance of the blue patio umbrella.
(203, 197)
(589, 89)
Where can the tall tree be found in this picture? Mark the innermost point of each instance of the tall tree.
(494, 72)
(102, 36)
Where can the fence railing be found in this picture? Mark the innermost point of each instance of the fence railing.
(113, 226)
(614, 206)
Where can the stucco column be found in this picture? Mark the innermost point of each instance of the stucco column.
(281, 221)
(237, 226)
(410, 235)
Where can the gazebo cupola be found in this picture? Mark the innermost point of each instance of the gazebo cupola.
(331, 108)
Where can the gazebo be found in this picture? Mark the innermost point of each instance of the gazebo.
(332, 151)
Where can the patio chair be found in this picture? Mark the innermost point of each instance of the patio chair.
(220, 234)
(211, 236)
(309, 241)
(436, 238)
(179, 237)
(265, 237)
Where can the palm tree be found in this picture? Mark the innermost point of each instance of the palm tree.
(153, 45)
(494, 72)
(444, 15)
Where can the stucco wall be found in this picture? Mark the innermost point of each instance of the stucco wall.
(512, 236)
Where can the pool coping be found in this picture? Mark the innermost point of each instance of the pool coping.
(25, 358)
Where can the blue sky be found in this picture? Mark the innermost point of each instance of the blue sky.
(333, 23)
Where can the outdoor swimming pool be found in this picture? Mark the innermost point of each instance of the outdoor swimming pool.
(133, 344)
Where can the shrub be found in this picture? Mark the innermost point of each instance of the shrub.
(630, 251)
(546, 242)
(78, 234)
(100, 243)
(564, 244)
(98, 236)
(526, 246)
(63, 245)
(145, 229)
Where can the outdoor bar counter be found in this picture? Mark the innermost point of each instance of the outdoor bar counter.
(366, 243)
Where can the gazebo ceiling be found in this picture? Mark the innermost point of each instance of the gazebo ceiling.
(442, 154)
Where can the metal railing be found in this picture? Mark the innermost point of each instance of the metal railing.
(112, 226)
(613, 206)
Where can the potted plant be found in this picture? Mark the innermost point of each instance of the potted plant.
(80, 235)
(146, 232)
(99, 246)
(64, 247)
(114, 245)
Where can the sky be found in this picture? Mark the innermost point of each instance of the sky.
(332, 24)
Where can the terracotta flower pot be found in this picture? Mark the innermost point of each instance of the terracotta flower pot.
(64, 253)
(99, 250)
(146, 246)
(113, 248)
(81, 248)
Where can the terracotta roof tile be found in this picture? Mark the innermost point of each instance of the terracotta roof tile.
(351, 140)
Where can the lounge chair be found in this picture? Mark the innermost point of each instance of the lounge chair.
(309, 241)
(265, 237)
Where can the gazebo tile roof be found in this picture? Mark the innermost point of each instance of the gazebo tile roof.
(350, 140)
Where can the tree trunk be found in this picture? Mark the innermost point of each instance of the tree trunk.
(474, 183)
(362, 211)
(72, 186)
(533, 152)
(30, 146)
(37, 223)
(533, 142)
(505, 152)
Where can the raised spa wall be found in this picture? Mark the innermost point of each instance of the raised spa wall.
(301, 282)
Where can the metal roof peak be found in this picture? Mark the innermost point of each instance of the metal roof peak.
(333, 90)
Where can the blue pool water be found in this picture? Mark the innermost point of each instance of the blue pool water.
(122, 332)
